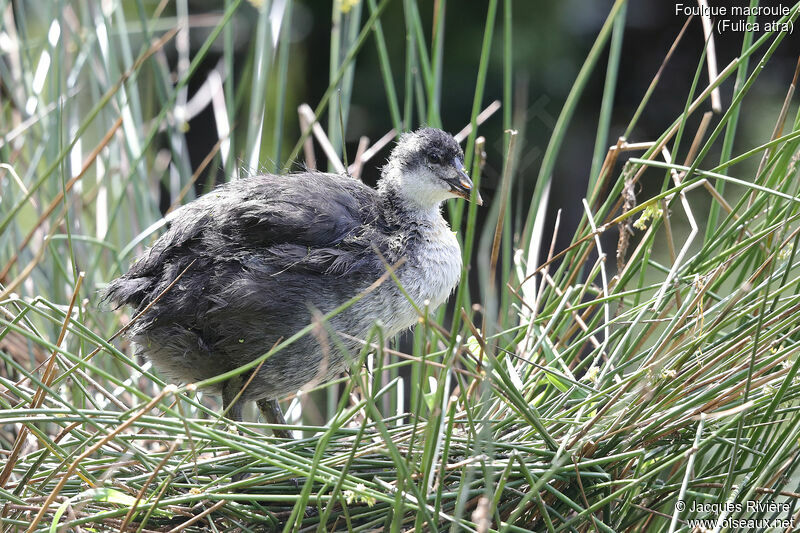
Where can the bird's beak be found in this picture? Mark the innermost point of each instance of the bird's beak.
(462, 186)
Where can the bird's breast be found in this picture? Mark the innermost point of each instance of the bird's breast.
(433, 267)
(428, 275)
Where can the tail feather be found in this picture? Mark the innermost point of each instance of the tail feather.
(125, 290)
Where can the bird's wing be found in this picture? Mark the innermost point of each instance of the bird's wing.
(310, 222)
(308, 209)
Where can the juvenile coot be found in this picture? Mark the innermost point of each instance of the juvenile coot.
(262, 254)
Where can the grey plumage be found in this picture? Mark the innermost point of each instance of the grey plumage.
(267, 251)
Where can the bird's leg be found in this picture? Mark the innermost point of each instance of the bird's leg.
(229, 391)
(272, 414)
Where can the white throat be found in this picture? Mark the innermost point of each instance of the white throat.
(422, 193)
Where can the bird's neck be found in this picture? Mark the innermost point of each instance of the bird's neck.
(392, 190)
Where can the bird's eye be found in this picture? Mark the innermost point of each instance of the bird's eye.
(434, 158)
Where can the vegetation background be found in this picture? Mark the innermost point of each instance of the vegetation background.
(607, 358)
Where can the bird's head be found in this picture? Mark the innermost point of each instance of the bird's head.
(427, 167)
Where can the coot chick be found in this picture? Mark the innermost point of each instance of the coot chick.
(262, 254)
